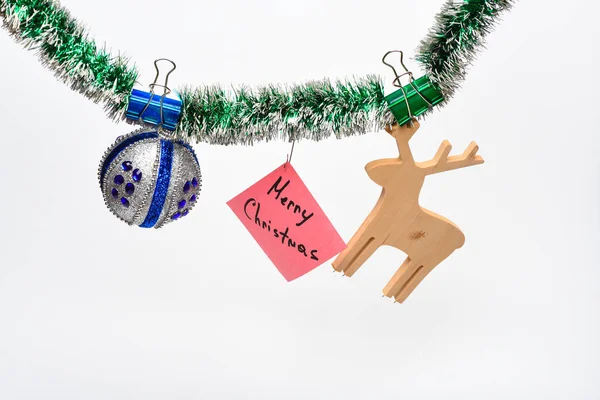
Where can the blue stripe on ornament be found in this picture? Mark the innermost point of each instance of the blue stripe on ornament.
(163, 180)
(121, 146)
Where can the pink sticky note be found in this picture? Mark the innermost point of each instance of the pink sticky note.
(286, 221)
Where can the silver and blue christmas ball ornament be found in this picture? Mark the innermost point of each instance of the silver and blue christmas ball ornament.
(147, 178)
(149, 181)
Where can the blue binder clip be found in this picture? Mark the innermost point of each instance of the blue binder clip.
(154, 109)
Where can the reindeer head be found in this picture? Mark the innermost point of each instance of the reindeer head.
(381, 171)
(403, 170)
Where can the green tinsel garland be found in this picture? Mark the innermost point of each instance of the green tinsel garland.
(313, 110)
(453, 42)
(64, 47)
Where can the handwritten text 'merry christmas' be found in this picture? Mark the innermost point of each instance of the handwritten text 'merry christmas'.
(252, 211)
(287, 222)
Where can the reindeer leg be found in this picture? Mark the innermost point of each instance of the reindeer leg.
(442, 238)
(412, 282)
(360, 248)
(411, 274)
(402, 277)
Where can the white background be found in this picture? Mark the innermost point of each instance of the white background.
(93, 309)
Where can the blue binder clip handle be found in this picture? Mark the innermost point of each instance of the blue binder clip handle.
(153, 109)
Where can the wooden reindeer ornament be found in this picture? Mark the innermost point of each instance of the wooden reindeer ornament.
(399, 221)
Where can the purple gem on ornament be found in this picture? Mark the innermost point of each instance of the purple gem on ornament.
(186, 187)
(115, 193)
(137, 175)
(193, 198)
(182, 204)
(175, 216)
(125, 202)
(127, 166)
(195, 182)
(119, 180)
(129, 188)
(185, 212)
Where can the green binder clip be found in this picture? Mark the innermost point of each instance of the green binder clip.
(413, 99)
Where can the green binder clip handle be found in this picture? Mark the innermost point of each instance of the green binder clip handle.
(413, 99)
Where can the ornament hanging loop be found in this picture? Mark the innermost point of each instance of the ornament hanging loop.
(288, 158)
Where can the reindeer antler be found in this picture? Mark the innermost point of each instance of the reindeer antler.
(403, 134)
(441, 162)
